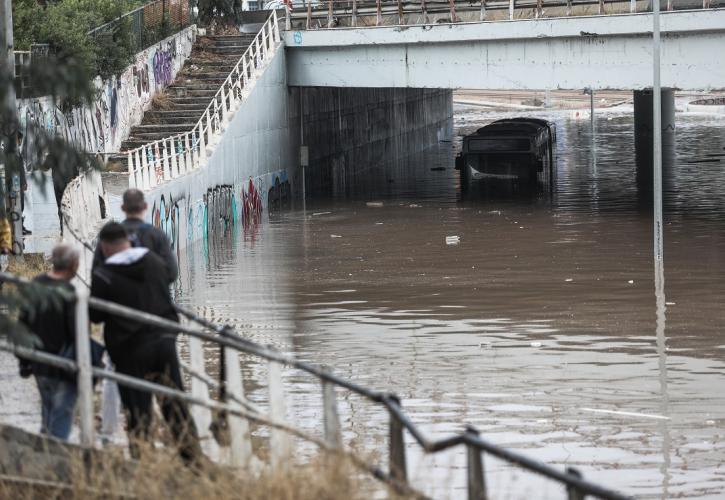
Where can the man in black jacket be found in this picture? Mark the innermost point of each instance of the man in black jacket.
(54, 324)
(136, 277)
(143, 234)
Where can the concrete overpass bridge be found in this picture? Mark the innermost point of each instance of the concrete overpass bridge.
(599, 52)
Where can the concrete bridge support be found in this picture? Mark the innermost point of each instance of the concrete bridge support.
(643, 138)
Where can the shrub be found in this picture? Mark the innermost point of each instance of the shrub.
(64, 26)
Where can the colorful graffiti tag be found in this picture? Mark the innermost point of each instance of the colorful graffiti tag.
(120, 102)
(166, 215)
(220, 210)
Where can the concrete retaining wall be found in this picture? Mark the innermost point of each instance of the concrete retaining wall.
(250, 171)
(85, 209)
(120, 102)
(350, 131)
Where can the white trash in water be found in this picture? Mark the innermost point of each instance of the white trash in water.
(536, 344)
(453, 240)
(335, 236)
(376, 204)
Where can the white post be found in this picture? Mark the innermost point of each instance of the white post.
(241, 446)
(153, 177)
(276, 26)
(633, 6)
(145, 168)
(83, 360)
(209, 128)
(512, 6)
(202, 415)
(332, 419)
(189, 153)
(202, 144)
(131, 172)
(165, 159)
(657, 131)
(279, 442)
(287, 19)
(174, 158)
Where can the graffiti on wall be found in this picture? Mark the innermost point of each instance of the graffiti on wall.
(119, 103)
(163, 64)
(220, 210)
(166, 215)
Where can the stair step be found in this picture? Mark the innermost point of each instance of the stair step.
(192, 92)
(173, 114)
(206, 63)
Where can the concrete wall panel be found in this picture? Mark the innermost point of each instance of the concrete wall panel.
(602, 52)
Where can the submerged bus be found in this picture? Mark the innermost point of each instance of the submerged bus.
(517, 151)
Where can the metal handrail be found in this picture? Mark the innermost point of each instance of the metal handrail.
(124, 15)
(399, 420)
(180, 153)
(332, 10)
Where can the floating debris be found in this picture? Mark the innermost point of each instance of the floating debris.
(375, 204)
(453, 240)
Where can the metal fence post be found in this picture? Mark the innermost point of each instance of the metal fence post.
(329, 14)
(202, 415)
(241, 446)
(331, 417)
(483, 10)
(401, 21)
(279, 442)
(83, 361)
(512, 6)
(452, 5)
(572, 492)
(354, 13)
(398, 469)
(379, 16)
(476, 481)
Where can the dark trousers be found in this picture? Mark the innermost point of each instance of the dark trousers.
(156, 361)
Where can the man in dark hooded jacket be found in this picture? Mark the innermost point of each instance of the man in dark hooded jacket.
(143, 234)
(136, 277)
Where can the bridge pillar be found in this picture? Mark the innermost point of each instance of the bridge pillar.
(643, 138)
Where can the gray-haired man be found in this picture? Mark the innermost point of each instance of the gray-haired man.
(143, 234)
(55, 327)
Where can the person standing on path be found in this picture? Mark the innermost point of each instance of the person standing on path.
(54, 325)
(137, 278)
(143, 234)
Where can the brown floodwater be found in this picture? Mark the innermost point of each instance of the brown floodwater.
(539, 327)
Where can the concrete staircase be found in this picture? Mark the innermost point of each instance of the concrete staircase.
(183, 102)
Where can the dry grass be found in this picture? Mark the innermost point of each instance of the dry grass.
(28, 265)
(160, 474)
(161, 101)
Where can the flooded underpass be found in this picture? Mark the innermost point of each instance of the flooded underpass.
(538, 327)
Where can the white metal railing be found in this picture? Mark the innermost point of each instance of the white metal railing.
(165, 159)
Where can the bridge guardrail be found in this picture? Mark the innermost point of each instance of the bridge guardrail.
(235, 407)
(331, 11)
(171, 157)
